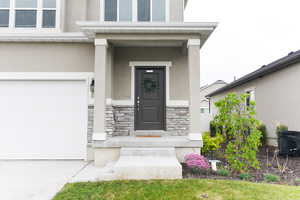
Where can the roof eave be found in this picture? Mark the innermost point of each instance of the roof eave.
(263, 73)
(203, 29)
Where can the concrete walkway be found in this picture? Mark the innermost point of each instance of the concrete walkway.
(36, 180)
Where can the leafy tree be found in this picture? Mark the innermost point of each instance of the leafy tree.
(236, 121)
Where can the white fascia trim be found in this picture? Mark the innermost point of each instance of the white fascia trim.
(44, 37)
(146, 27)
(194, 42)
(101, 42)
(46, 75)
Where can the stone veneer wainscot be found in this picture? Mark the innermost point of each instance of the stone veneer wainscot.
(120, 121)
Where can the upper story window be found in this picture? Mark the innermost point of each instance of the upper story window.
(29, 14)
(118, 10)
(135, 10)
(151, 10)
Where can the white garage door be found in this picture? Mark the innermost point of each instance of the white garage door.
(43, 119)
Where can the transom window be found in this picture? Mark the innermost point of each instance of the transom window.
(28, 13)
(135, 10)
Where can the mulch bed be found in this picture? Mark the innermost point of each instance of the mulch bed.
(269, 164)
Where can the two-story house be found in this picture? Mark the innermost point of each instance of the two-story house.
(86, 79)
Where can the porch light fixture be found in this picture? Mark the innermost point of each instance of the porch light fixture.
(92, 87)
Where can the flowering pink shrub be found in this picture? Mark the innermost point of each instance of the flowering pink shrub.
(194, 160)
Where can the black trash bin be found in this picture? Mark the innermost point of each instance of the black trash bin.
(289, 143)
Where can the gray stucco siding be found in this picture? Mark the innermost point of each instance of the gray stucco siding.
(46, 57)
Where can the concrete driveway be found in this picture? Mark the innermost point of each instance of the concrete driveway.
(36, 180)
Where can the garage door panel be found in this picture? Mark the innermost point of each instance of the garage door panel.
(43, 119)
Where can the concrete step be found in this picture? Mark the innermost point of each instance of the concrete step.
(147, 151)
(148, 163)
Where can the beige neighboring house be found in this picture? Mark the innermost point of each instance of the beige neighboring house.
(274, 88)
(204, 91)
(81, 79)
(205, 114)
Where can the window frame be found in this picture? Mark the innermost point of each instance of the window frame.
(204, 109)
(134, 9)
(251, 92)
(39, 20)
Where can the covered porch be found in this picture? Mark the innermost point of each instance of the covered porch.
(129, 114)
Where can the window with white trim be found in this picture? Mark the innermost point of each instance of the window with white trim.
(250, 97)
(151, 10)
(135, 10)
(118, 10)
(204, 110)
(29, 14)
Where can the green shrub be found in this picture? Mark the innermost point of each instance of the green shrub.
(245, 176)
(212, 129)
(211, 144)
(223, 172)
(280, 128)
(263, 129)
(271, 178)
(239, 127)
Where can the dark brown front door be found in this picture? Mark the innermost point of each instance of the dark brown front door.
(150, 98)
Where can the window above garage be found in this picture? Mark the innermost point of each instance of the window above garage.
(135, 10)
(29, 15)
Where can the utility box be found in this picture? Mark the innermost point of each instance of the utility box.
(289, 143)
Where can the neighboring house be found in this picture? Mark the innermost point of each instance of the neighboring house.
(112, 68)
(274, 88)
(204, 91)
(205, 115)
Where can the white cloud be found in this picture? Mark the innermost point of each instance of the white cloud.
(251, 33)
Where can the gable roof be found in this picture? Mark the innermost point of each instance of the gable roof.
(282, 63)
(214, 83)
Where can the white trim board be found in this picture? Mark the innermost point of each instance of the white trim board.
(124, 102)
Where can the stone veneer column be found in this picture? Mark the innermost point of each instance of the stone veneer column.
(194, 85)
(100, 89)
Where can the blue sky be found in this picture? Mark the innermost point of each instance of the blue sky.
(251, 33)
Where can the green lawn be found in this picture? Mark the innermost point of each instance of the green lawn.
(185, 189)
